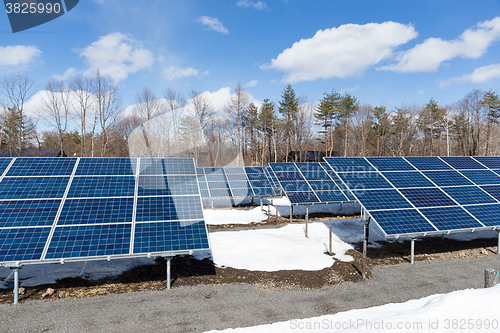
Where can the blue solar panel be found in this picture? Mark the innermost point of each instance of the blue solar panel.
(295, 186)
(462, 162)
(28, 213)
(482, 177)
(468, 195)
(390, 163)
(96, 210)
(302, 197)
(4, 163)
(309, 167)
(494, 191)
(150, 209)
(260, 183)
(96, 217)
(220, 193)
(407, 179)
(284, 176)
(405, 221)
(20, 244)
(381, 199)
(170, 236)
(239, 184)
(236, 177)
(428, 163)
(315, 175)
(450, 218)
(492, 162)
(283, 167)
(447, 178)
(435, 189)
(106, 167)
(259, 170)
(102, 186)
(33, 187)
(487, 214)
(216, 177)
(242, 193)
(264, 192)
(167, 185)
(349, 164)
(177, 166)
(331, 196)
(89, 241)
(364, 180)
(217, 185)
(427, 197)
(326, 185)
(41, 166)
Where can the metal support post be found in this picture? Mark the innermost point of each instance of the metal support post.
(412, 259)
(366, 231)
(16, 284)
(307, 220)
(168, 272)
(276, 207)
(291, 213)
(498, 244)
(330, 241)
(269, 212)
(261, 206)
(212, 204)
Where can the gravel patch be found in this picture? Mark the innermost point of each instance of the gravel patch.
(202, 308)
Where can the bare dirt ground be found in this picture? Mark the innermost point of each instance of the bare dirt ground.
(187, 271)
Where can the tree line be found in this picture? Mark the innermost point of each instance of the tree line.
(86, 118)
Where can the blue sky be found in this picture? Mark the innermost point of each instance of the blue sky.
(383, 52)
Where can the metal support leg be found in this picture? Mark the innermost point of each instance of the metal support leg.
(212, 204)
(276, 207)
(366, 229)
(291, 213)
(168, 272)
(330, 240)
(307, 220)
(498, 243)
(412, 259)
(16, 284)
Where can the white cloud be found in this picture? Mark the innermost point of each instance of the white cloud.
(18, 55)
(116, 55)
(213, 24)
(252, 83)
(480, 75)
(341, 52)
(349, 89)
(175, 72)
(260, 5)
(420, 92)
(70, 72)
(428, 56)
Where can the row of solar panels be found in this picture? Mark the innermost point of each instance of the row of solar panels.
(73, 208)
(237, 182)
(425, 195)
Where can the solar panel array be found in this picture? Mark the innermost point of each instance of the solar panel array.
(424, 195)
(234, 182)
(310, 183)
(54, 209)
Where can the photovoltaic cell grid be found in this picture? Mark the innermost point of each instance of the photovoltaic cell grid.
(234, 182)
(421, 195)
(310, 183)
(80, 208)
